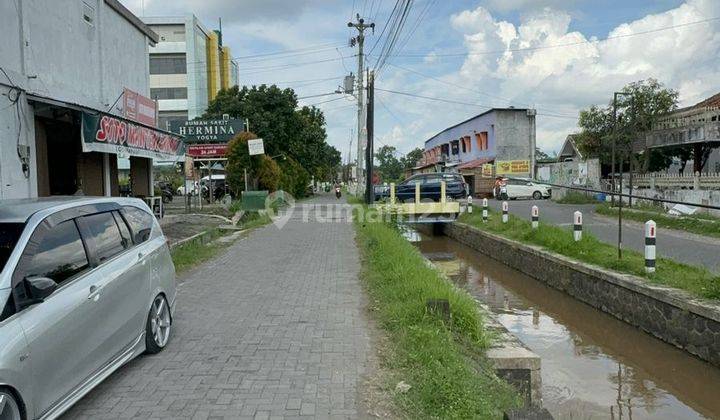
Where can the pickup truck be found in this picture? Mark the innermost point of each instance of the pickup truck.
(455, 187)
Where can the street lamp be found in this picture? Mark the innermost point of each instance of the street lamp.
(281, 155)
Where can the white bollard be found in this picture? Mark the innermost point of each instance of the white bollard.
(577, 226)
(535, 216)
(505, 212)
(650, 235)
(485, 210)
(469, 204)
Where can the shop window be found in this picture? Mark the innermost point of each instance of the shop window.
(482, 140)
(168, 64)
(169, 93)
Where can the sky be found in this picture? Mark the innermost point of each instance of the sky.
(557, 56)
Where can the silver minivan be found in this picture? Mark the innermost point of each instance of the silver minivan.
(87, 284)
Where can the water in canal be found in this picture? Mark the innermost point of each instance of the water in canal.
(593, 366)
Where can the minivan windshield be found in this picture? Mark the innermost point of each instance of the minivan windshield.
(9, 235)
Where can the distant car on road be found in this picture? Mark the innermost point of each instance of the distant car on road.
(514, 188)
(86, 285)
(381, 191)
(455, 187)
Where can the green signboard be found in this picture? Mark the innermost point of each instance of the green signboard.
(107, 133)
(208, 131)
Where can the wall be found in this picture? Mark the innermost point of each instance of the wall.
(513, 132)
(485, 122)
(575, 173)
(48, 49)
(197, 54)
(711, 197)
(510, 136)
(213, 54)
(671, 315)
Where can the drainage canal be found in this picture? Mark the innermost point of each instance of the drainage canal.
(593, 366)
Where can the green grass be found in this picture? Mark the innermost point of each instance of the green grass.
(442, 360)
(696, 280)
(700, 224)
(574, 197)
(193, 253)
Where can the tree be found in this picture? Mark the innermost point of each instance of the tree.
(273, 115)
(239, 160)
(294, 178)
(411, 159)
(388, 166)
(540, 155)
(637, 109)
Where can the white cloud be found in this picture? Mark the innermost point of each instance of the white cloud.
(504, 6)
(562, 80)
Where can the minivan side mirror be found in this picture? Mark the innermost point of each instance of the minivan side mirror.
(40, 288)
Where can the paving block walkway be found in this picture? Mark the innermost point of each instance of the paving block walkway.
(274, 328)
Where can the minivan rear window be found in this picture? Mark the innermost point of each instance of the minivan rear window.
(141, 223)
(9, 235)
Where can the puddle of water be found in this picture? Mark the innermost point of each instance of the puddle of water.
(593, 365)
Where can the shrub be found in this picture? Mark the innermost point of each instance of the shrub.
(268, 174)
(239, 159)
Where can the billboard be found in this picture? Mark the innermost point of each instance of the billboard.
(207, 150)
(256, 147)
(138, 108)
(107, 133)
(512, 167)
(208, 131)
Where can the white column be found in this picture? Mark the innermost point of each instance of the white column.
(107, 185)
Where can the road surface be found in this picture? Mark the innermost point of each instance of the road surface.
(680, 246)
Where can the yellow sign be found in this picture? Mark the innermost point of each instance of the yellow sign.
(487, 169)
(511, 167)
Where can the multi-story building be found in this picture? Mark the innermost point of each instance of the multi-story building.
(61, 77)
(188, 66)
(696, 128)
(499, 134)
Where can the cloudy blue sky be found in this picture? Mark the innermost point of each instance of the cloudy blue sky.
(467, 51)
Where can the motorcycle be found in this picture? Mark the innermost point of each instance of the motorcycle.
(166, 192)
(338, 194)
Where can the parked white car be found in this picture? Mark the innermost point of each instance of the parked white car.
(523, 188)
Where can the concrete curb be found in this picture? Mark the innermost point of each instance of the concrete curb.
(669, 314)
(201, 237)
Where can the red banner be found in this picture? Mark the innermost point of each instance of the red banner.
(107, 133)
(206, 150)
(139, 108)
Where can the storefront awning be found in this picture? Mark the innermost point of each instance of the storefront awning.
(107, 133)
(476, 163)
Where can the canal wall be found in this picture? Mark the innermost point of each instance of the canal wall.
(669, 314)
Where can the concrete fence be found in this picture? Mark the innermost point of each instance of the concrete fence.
(695, 181)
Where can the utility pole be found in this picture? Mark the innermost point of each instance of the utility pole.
(349, 160)
(360, 41)
(369, 193)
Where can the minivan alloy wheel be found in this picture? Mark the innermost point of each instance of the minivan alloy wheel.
(160, 321)
(9, 408)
